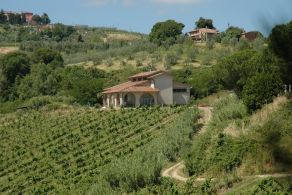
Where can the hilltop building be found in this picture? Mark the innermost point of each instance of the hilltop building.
(26, 16)
(147, 88)
(203, 34)
(250, 36)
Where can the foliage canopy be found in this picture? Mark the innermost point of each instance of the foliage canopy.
(205, 23)
(166, 33)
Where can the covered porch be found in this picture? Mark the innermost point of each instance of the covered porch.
(130, 99)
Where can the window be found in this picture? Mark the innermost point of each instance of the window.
(146, 100)
(180, 90)
(129, 100)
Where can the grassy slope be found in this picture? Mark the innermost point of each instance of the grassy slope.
(244, 145)
(236, 147)
(54, 151)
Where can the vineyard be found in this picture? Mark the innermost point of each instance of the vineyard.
(43, 151)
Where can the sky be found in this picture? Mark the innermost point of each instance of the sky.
(141, 15)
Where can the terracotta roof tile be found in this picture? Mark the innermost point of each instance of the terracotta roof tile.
(123, 86)
(146, 74)
(141, 89)
(205, 30)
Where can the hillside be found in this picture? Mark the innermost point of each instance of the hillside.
(236, 153)
(113, 49)
(77, 149)
(69, 149)
(233, 136)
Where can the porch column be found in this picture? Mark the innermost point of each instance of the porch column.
(115, 100)
(108, 100)
(121, 99)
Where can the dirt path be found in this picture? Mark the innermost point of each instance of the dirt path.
(173, 171)
(207, 115)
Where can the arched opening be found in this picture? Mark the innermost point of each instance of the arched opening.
(129, 100)
(147, 100)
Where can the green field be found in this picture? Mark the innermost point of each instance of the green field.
(48, 151)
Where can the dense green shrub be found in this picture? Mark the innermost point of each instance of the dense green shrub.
(227, 109)
(261, 89)
(41, 101)
(202, 82)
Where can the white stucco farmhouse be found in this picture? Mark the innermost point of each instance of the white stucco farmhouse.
(147, 88)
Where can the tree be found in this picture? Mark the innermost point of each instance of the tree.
(205, 23)
(233, 32)
(202, 82)
(166, 32)
(60, 31)
(37, 19)
(82, 84)
(37, 83)
(233, 71)
(280, 42)
(48, 56)
(15, 64)
(261, 89)
(13, 67)
(45, 19)
(3, 17)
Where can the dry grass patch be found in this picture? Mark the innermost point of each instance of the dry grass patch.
(122, 36)
(259, 118)
(5, 50)
(233, 130)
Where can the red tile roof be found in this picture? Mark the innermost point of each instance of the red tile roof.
(205, 30)
(141, 89)
(136, 86)
(121, 87)
(146, 74)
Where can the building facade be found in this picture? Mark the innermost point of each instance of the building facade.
(146, 89)
(25, 16)
(203, 34)
(250, 36)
